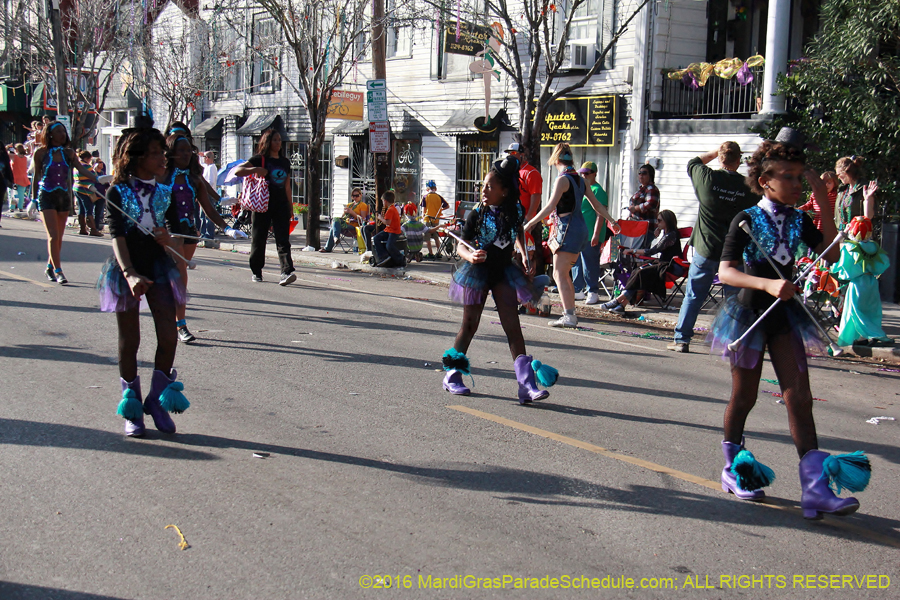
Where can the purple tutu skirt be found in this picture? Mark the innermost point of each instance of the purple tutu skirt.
(733, 319)
(116, 296)
(471, 283)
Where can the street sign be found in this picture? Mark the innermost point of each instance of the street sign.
(380, 137)
(67, 123)
(376, 102)
(376, 84)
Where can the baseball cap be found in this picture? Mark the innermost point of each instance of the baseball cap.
(588, 167)
(514, 147)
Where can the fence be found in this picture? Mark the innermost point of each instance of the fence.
(719, 97)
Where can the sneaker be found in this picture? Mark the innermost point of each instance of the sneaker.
(592, 298)
(579, 296)
(256, 278)
(679, 347)
(60, 278)
(618, 309)
(565, 321)
(609, 305)
(184, 335)
(287, 279)
(51, 276)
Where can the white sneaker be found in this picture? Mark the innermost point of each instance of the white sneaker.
(565, 321)
(592, 298)
(579, 295)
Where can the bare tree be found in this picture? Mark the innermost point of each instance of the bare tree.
(533, 40)
(324, 38)
(95, 39)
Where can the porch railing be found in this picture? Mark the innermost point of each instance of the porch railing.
(718, 98)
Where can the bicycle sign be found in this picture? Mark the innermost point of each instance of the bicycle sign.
(346, 105)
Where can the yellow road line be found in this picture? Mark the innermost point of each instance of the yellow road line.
(650, 466)
(20, 278)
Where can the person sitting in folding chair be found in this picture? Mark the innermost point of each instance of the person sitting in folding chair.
(355, 214)
(651, 277)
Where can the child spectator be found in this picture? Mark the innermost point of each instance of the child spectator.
(414, 230)
(386, 241)
(86, 196)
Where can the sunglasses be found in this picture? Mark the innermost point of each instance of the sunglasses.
(354, 195)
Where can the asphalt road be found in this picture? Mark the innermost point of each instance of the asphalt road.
(373, 473)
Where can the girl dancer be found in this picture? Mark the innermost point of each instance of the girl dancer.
(141, 266)
(776, 171)
(52, 187)
(184, 175)
(491, 230)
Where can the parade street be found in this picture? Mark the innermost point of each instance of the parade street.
(321, 458)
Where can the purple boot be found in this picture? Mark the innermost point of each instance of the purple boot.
(729, 479)
(131, 408)
(528, 389)
(152, 407)
(453, 383)
(817, 497)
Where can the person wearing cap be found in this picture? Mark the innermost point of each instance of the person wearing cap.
(586, 272)
(433, 204)
(722, 194)
(530, 186)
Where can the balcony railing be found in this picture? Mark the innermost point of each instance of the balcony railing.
(718, 98)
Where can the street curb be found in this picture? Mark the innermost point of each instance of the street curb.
(888, 353)
(329, 261)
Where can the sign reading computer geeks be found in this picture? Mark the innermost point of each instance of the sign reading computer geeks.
(586, 121)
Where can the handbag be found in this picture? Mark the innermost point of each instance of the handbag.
(255, 192)
(553, 243)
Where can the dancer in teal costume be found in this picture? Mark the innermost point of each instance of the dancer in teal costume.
(862, 260)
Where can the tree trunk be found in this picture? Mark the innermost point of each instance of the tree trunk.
(313, 191)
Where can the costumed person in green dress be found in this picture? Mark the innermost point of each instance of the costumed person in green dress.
(862, 260)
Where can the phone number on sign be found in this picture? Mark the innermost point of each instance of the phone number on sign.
(556, 137)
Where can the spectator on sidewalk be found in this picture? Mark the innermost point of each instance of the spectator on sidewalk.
(433, 205)
(644, 204)
(210, 174)
(414, 230)
(19, 162)
(385, 242)
(722, 194)
(586, 272)
(355, 215)
(531, 184)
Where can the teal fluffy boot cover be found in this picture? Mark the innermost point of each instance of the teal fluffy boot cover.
(546, 375)
(453, 359)
(750, 473)
(172, 400)
(131, 406)
(851, 471)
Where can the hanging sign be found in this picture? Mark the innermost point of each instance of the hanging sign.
(345, 105)
(85, 85)
(380, 137)
(471, 40)
(587, 121)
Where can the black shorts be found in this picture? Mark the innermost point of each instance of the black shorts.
(58, 200)
(183, 228)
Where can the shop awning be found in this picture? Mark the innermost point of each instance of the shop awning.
(206, 126)
(257, 124)
(348, 128)
(461, 121)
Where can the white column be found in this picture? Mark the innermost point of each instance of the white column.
(778, 32)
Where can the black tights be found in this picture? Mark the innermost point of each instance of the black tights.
(784, 353)
(508, 311)
(162, 307)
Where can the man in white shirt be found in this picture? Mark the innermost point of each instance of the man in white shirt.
(210, 174)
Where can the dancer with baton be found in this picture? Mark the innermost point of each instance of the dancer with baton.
(776, 171)
(491, 232)
(141, 267)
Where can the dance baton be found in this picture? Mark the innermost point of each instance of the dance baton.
(460, 240)
(835, 349)
(191, 264)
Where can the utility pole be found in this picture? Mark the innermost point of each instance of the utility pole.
(59, 56)
(382, 161)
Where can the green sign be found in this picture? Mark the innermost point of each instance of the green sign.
(587, 121)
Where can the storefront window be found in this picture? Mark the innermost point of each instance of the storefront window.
(473, 162)
(407, 170)
(296, 153)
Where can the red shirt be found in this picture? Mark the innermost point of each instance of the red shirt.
(392, 218)
(530, 182)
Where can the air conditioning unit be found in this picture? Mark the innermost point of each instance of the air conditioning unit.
(580, 55)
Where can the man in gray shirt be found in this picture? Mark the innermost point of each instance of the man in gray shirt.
(722, 194)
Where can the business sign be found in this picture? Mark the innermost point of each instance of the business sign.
(471, 40)
(345, 105)
(380, 137)
(587, 121)
(85, 83)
